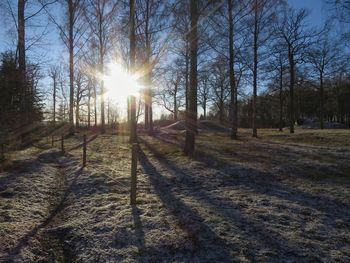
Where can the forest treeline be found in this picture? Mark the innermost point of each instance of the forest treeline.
(245, 63)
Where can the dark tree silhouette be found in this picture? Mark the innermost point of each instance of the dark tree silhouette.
(191, 114)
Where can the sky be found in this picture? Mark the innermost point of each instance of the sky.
(55, 46)
(315, 7)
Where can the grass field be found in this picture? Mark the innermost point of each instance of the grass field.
(276, 198)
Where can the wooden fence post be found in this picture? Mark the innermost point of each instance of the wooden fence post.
(84, 151)
(52, 140)
(133, 174)
(62, 144)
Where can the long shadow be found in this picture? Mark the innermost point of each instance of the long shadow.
(58, 208)
(21, 167)
(266, 145)
(140, 234)
(188, 219)
(255, 233)
(262, 185)
(196, 187)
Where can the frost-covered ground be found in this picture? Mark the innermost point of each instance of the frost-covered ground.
(269, 199)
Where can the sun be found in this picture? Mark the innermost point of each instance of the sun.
(119, 84)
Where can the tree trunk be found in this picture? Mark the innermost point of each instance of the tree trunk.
(321, 101)
(255, 69)
(191, 114)
(77, 106)
(175, 102)
(71, 14)
(89, 106)
(103, 128)
(132, 100)
(221, 111)
(291, 91)
(205, 107)
(148, 55)
(54, 100)
(232, 72)
(146, 109)
(132, 35)
(150, 110)
(186, 79)
(22, 61)
(95, 105)
(108, 113)
(281, 101)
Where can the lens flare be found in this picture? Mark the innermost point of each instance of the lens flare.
(119, 84)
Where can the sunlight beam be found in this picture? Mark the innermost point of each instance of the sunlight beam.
(120, 84)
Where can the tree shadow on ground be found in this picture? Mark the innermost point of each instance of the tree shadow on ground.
(283, 153)
(23, 242)
(264, 183)
(140, 234)
(252, 230)
(188, 219)
(21, 167)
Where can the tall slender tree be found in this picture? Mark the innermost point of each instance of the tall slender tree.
(101, 15)
(296, 37)
(233, 106)
(323, 56)
(191, 114)
(263, 12)
(54, 74)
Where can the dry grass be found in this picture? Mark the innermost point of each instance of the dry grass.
(317, 137)
(299, 154)
(270, 201)
(248, 200)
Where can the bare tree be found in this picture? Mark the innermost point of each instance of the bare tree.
(74, 13)
(235, 14)
(100, 16)
(342, 9)
(231, 15)
(151, 24)
(232, 71)
(71, 31)
(263, 13)
(219, 82)
(169, 96)
(323, 57)
(281, 68)
(204, 90)
(54, 73)
(90, 59)
(63, 109)
(296, 37)
(180, 45)
(90, 91)
(80, 93)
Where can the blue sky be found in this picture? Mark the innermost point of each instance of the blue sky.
(315, 7)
